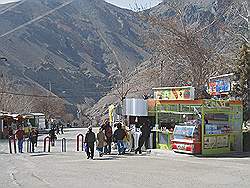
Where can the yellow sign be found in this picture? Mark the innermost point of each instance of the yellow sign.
(111, 111)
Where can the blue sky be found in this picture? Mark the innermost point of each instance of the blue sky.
(121, 3)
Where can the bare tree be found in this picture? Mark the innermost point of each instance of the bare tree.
(51, 106)
(187, 52)
(12, 97)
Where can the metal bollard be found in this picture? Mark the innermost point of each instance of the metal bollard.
(29, 146)
(14, 142)
(64, 145)
(78, 140)
(44, 142)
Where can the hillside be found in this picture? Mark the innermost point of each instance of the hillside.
(82, 50)
(78, 46)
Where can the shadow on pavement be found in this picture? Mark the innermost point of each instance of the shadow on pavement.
(39, 154)
(105, 158)
(229, 155)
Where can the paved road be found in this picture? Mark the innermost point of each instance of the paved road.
(160, 169)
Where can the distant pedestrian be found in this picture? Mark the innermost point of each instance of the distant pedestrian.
(57, 129)
(32, 138)
(101, 142)
(52, 135)
(62, 129)
(10, 132)
(90, 143)
(119, 135)
(36, 137)
(20, 138)
(108, 133)
(145, 130)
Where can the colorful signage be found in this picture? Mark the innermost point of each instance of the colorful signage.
(218, 87)
(174, 93)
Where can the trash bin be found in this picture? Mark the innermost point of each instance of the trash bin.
(246, 141)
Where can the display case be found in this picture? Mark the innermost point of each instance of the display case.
(186, 138)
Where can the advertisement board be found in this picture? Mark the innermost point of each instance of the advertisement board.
(217, 87)
(174, 93)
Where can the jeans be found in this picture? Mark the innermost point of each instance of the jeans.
(20, 145)
(107, 148)
(120, 145)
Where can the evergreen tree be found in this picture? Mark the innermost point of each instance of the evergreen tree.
(242, 71)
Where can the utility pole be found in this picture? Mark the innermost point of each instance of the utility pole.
(161, 73)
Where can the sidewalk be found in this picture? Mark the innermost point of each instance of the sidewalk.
(168, 153)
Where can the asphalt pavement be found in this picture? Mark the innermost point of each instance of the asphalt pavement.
(158, 169)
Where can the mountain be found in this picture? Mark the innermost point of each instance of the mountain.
(79, 49)
(223, 33)
(78, 46)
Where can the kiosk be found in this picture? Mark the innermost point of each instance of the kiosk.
(200, 126)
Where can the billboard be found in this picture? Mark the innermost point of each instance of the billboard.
(217, 87)
(174, 93)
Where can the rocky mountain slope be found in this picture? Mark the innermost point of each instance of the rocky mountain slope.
(225, 28)
(78, 46)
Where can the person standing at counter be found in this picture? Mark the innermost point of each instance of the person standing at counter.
(145, 130)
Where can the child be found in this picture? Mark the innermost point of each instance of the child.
(101, 142)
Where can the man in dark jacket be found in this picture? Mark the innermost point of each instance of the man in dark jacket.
(32, 138)
(108, 133)
(52, 135)
(119, 135)
(90, 143)
(145, 129)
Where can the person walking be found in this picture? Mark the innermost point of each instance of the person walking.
(145, 130)
(32, 138)
(62, 129)
(10, 132)
(90, 143)
(52, 135)
(20, 138)
(57, 129)
(36, 137)
(101, 142)
(108, 133)
(119, 135)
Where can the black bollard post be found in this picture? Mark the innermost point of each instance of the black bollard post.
(78, 142)
(45, 140)
(27, 146)
(64, 145)
(10, 145)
